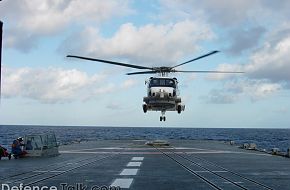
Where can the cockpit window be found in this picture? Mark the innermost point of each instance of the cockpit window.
(162, 82)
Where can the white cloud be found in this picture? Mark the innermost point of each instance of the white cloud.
(226, 67)
(270, 61)
(266, 73)
(255, 89)
(226, 13)
(57, 85)
(128, 84)
(223, 13)
(46, 85)
(267, 70)
(217, 96)
(107, 89)
(235, 90)
(149, 44)
(243, 39)
(240, 24)
(30, 19)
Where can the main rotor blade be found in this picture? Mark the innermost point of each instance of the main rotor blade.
(208, 54)
(144, 72)
(110, 62)
(207, 71)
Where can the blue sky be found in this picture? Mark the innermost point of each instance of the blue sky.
(41, 86)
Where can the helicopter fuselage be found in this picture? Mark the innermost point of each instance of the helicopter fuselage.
(162, 95)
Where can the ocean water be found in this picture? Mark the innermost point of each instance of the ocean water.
(264, 138)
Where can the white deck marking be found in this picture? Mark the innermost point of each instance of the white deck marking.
(48, 171)
(122, 182)
(129, 172)
(137, 158)
(138, 164)
(234, 182)
(204, 171)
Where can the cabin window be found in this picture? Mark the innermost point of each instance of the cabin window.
(157, 82)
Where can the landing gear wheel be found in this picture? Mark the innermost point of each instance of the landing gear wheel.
(179, 109)
(162, 118)
(145, 108)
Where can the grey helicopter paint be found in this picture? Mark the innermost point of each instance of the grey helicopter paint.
(162, 91)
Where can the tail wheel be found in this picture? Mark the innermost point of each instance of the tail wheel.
(179, 109)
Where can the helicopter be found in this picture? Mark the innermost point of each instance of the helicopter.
(162, 90)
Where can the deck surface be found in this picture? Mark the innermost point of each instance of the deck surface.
(133, 165)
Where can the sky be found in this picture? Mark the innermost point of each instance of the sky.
(40, 86)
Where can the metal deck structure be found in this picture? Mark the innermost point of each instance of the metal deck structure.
(130, 164)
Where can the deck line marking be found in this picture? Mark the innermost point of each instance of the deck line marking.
(47, 171)
(234, 182)
(136, 164)
(137, 158)
(147, 148)
(216, 152)
(129, 172)
(122, 182)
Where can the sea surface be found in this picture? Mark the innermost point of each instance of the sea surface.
(264, 138)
